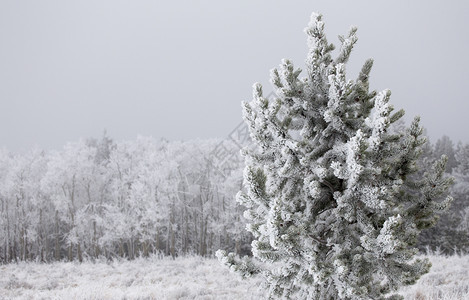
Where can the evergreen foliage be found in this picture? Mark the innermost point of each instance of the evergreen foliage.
(444, 146)
(331, 194)
(449, 235)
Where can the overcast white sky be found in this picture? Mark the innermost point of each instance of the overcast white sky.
(179, 69)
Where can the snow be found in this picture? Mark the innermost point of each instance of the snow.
(150, 278)
(185, 278)
(448, 279)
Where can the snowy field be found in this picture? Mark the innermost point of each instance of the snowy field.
(184, 278)
(152, 278)
(448, 280)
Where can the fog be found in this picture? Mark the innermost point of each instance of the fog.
(180, 69)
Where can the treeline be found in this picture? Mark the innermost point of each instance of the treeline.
(99, 198)
(106, 199)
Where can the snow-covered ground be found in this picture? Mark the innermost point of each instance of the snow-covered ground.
(448, 280)
(151, 278)
(184, 278)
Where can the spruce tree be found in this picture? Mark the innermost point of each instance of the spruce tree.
(331, 194)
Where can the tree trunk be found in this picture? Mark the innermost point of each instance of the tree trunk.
(121, 248)
(237, 247)
(8, 246)
(70, 252)
(173, 246)
(145, 248)
(22, 248)
(202, 237)
(80, 255)
(95, 241)
(186, 233)
(157, 239)
(57, 246)
(210, 243)
(26, 252)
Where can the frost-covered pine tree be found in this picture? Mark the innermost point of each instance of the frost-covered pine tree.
(332, 198)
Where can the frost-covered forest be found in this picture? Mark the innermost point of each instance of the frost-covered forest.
(126, 199)
(102, 198)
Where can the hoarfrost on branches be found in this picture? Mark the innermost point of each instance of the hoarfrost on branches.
(333, 197)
